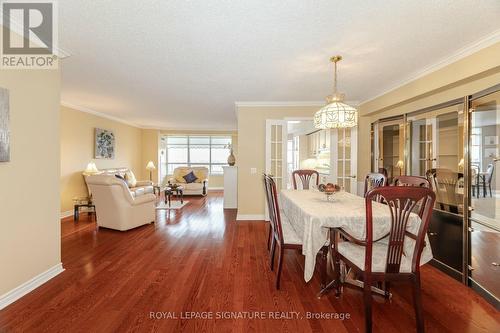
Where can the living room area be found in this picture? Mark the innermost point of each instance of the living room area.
(162, 168)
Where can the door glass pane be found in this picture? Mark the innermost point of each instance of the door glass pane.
(485, 192)
(485, 155)
(436, 152)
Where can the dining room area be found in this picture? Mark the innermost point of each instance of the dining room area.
(428, 207)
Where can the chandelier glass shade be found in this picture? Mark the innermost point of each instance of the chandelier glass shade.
(336, 113)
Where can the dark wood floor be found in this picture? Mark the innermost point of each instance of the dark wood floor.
(200, 259)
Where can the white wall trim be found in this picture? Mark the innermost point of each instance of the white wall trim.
(484, 42)
(18, 292)
(201, 130)
(67, 213)
(99, 114)
(215, 188)
(250, 217)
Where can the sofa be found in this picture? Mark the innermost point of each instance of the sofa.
(198, 187)
(136, 187)
(115, 205)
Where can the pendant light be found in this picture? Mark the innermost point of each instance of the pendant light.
(336, 114)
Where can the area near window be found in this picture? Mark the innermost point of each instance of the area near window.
(210, 151)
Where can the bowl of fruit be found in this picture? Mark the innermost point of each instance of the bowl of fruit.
(329, 190)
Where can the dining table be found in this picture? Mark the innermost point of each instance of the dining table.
(312, 216)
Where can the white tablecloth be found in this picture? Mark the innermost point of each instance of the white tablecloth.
(311, 216)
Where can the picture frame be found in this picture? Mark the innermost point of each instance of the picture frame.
(104, 144)
(491, 140)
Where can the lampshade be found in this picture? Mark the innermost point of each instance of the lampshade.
(336, 114)
(91, 169)
(461, 163)
(400, 164)
(150, 166)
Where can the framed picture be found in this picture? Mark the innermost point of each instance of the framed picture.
(104, 144)
(4, 126)
(491, 140)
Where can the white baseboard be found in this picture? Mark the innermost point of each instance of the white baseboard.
(250, 217)
(215, 188)
(18, 292)
(67, 214)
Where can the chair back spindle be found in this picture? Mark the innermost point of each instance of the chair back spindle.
(305, 177)
(374, 180)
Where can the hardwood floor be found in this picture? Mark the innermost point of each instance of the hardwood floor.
(200, 259)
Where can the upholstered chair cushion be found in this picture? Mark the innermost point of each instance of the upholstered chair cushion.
(356, 254)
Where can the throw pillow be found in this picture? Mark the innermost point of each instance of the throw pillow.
(190, 177)
(130, 178)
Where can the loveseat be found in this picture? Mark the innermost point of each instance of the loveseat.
(197, 187)
(136, 187)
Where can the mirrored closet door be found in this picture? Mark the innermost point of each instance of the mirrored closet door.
(484, 236)
(435, 150)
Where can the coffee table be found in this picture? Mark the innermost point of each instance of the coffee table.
(170, 190)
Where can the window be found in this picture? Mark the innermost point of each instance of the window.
(476, 142)
(196, 150)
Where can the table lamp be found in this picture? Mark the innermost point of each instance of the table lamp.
(150, 167)
(91, 169)
(400, 165)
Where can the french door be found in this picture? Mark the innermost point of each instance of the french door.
(276, 154)
(344, 152)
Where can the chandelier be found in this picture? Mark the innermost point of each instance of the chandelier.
(336, 114)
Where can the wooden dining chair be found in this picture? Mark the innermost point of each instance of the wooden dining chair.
(412, 181)
(282, 232)
(374, 180)
(305, 177)
(386, 261)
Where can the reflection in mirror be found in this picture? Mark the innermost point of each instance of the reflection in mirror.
(389, 152)
(484, 152)
(436, 152)
(485, 193)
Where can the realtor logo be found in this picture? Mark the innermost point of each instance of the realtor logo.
(29, 34)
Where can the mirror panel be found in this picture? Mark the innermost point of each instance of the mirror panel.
(485, 193)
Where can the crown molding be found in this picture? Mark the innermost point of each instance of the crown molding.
(201, 130)
(464, 52)
(99, 114)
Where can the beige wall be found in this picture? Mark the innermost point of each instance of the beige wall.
(471, 74)
(251, 148)
(29, 195)
(150, 146)
(77, 149)
(215, 181)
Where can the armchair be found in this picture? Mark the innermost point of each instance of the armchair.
(198, 187)
(116, 207)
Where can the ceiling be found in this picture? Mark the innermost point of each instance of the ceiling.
(184, 64)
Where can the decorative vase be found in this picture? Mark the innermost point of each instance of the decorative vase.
(231, 160)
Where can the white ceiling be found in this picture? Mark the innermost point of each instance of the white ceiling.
(183, 64)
